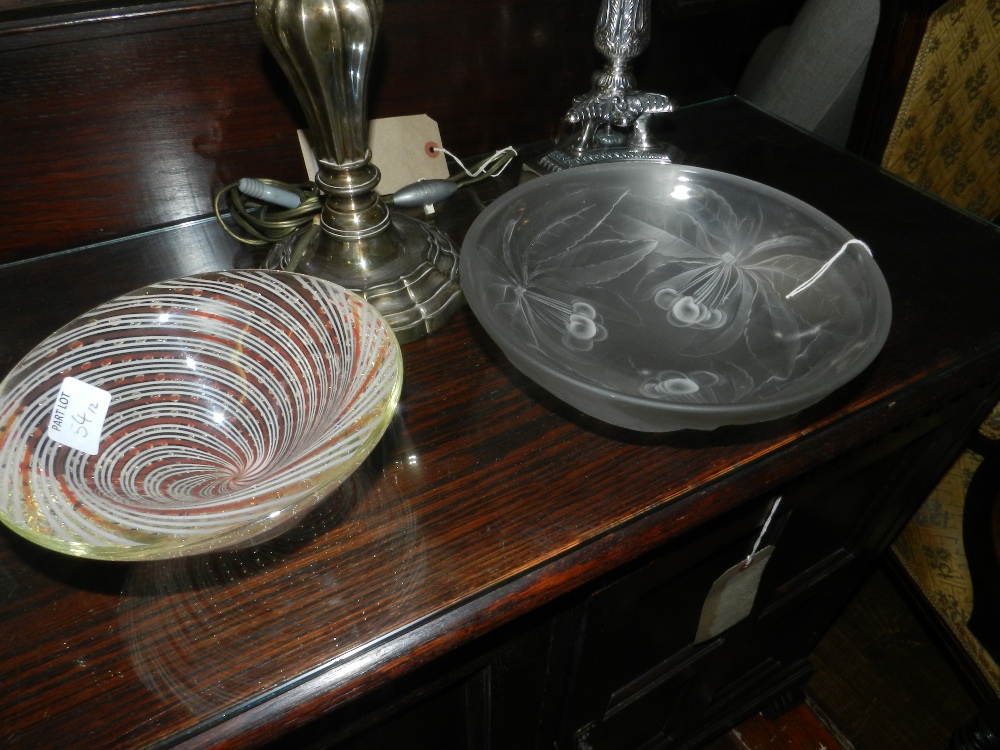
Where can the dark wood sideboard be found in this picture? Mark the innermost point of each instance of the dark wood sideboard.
(503, 572)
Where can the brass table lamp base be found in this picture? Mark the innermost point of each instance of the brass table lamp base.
(406, 269)
(414, 285)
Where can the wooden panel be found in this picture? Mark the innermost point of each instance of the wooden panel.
(133, 122)
(115, 122)
(640, 679)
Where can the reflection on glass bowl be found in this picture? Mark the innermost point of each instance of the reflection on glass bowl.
(318, 592)
(659, 297)
(238, 400)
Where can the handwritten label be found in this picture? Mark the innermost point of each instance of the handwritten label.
(78, 416)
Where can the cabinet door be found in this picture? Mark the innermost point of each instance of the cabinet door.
(641, 681)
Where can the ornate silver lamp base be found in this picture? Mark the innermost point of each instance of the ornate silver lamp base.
(414, 285)
(611, 122)
(567, 157)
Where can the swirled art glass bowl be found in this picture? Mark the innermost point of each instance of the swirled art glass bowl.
(660, 297)
(235, 401)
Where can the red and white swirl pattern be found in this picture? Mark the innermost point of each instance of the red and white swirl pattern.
(238, 400)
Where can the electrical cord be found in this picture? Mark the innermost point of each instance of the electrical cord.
(491, 166)
(260, 222)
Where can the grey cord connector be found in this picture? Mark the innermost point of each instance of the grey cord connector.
(294, 206)
(424, 193)
(270, 193)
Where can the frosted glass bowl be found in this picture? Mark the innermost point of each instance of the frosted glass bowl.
(660, 297)
(238, 400)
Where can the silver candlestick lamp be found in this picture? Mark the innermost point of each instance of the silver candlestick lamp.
(407, 269)
(611, 123)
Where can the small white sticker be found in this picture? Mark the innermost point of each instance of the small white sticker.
(78, 415)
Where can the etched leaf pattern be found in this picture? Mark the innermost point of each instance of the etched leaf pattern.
(719, 285)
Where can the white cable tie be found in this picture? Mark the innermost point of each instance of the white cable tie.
(774, 509)
(826, 267)
(486, 164)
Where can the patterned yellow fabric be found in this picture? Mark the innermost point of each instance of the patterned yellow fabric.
(932, 552)
(990, 428)
(946, 137)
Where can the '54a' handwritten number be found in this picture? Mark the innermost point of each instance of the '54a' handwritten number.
(82, 418)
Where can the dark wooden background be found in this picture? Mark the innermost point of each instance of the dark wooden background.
(118, 120)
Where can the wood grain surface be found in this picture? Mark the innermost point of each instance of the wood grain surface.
(487, 499)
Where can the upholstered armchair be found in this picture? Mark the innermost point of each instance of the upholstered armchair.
(947, 557)
(929, 108)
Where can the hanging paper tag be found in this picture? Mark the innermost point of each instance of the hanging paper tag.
(400, 148)
(732, 595)
(78, 416)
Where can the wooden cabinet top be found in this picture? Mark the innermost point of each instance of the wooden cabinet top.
(486, 499)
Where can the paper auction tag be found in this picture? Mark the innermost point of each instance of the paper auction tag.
(78, 415)
(399, 147)
(732, 595)
(400, 150)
